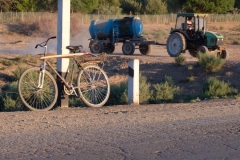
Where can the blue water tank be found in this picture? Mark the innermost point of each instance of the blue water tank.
(130, 27)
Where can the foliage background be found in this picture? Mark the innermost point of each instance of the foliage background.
(109, 7)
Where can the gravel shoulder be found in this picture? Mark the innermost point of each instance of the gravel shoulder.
(161, 131)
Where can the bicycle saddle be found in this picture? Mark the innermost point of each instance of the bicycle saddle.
(75, 48)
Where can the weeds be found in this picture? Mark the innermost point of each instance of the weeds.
(165, 91)
(214, 88)
(117, 94)
(190, 67)
(210, 63)
(191, 79)
(180, 60)
(7, 62)
(144, 89)
(235, 42)
(9, 99)
(18, 72)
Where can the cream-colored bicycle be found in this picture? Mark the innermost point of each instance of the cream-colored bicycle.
(38, 89)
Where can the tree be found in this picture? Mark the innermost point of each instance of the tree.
(209, 6)
(237, 4)
(47, 5)
(26, 5)
(8, 5)
(156, 7)
(84, 6)
(174, 6)
(130, 6)
(109, 7)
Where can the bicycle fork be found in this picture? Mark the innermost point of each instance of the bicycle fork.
(41, 75)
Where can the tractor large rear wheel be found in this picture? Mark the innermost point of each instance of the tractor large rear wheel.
(176, 43)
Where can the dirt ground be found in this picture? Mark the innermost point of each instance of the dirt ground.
(204, 130)
(154, 66)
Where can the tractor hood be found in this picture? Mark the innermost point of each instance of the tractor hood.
(214, 38)
(213, 34)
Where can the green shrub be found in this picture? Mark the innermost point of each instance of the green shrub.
(165, 91)
(18, 72)
(191, 79)
(117, 94)
(180, 60)
(210, 63)
(214, 88)
(9, 103)
(221, 27)
(235, 42)
(190, 67)
(7, 62)
(76, 102)
(144, 90)
(168, 79)
(10, 100)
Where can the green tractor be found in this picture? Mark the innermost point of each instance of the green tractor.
(190, 33)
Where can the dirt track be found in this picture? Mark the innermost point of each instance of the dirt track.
(204, 130)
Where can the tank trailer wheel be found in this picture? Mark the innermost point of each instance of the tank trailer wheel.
(176, 43)
(128, 48)
(224, 54)
(96, 47)
(109, 48)
(202, 49)
(145, 49)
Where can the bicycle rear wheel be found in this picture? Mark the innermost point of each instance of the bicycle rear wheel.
(34, 97)
(93, 86)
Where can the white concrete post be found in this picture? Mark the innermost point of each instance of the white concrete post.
(63, 40)
(133, 81)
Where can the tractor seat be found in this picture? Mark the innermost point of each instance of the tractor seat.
(75, 49)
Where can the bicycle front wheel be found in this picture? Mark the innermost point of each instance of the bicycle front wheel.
(93, 86)
(34, 97)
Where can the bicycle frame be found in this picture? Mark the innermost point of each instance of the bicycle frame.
(46, 62)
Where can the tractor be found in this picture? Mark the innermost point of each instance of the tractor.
(190, 33)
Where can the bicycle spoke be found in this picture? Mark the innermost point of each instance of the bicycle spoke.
(93, 86)
(37, 98)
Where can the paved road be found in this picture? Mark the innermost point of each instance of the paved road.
(204, 130)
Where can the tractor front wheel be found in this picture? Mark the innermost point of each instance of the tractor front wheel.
(224, 54)
(202, 49)
(176, 43)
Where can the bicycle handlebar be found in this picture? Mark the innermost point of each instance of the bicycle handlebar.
(45, 42)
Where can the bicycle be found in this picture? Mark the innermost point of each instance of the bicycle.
(38, 89)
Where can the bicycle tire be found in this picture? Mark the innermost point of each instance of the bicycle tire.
(34, 98)
(93, 86)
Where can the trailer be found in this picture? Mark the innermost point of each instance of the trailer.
(105, 34)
